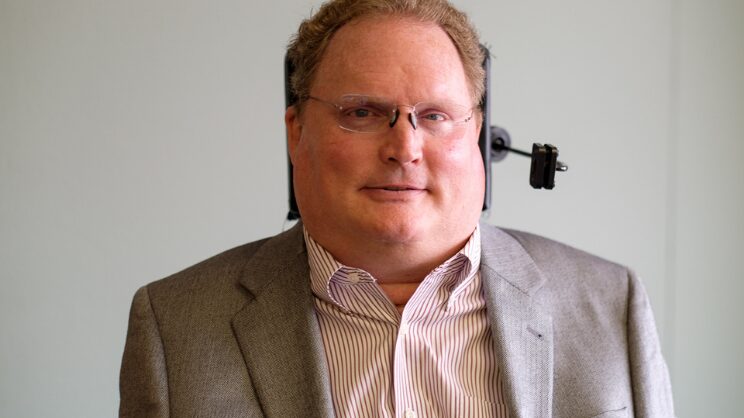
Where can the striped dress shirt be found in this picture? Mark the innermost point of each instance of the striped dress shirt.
(437, 359)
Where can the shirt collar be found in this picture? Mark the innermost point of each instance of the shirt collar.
(456, 273)
(459, 271)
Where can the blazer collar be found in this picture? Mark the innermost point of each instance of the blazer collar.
(522, 331)
(278, 333)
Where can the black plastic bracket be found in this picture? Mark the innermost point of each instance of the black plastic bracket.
(542, 170)
(544, 158)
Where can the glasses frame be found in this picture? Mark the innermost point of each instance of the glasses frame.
(393, 114)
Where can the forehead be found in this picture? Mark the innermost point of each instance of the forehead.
(391, 56)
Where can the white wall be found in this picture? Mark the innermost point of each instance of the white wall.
(139, 137)
(707, 336)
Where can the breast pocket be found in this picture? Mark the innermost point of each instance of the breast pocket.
(615, 413)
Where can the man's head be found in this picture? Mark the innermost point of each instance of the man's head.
(375, 170)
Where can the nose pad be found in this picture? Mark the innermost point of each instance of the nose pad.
(411, 118)
(394, 117)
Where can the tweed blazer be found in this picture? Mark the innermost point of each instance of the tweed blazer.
(236, 335)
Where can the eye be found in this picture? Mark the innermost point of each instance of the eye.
(441, 113)
(433, 116)
(362, 112)
(433, 112)
(358, 113)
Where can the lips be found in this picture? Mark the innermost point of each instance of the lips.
(395, 187)
(399, 188)
(391, 193)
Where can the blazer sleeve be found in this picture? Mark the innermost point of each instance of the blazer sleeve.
(652, 390)
(143, 382)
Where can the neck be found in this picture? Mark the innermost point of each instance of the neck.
(392, 262)
(399, 267)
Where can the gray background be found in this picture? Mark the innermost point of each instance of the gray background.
(139, 137)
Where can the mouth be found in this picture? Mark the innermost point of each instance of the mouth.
(396, 188)
(394, 192)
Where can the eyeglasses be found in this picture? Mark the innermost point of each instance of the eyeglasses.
(365, 114)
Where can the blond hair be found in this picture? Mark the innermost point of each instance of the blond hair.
(307, 46)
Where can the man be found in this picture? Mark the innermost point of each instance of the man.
(389, 299)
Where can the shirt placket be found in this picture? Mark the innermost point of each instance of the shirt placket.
(410, 356)
(357, 295)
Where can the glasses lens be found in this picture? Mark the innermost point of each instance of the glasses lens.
(363, 114)
(440, 119)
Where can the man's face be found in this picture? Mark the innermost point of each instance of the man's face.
(400, 185)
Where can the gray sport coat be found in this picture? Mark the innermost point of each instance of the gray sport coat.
(236, 335)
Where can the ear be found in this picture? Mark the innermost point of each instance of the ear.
(478, 122)
(294, 130)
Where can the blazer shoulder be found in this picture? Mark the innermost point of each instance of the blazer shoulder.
(566, 267)
(230, 273)
(222, 269)
(548, 251)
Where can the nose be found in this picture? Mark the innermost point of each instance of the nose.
(403, 143)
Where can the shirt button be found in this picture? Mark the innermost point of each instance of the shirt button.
(353, 277)
(404, 330)
(410, 413)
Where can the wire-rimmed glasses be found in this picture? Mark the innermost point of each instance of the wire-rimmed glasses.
(367, 114)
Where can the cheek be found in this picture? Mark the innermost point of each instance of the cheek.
(461, 158)
(459, 168)
(324, 163)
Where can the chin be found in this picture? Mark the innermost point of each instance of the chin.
(396, 230)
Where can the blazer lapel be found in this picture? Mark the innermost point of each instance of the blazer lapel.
(278, 333)
(523, 333)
